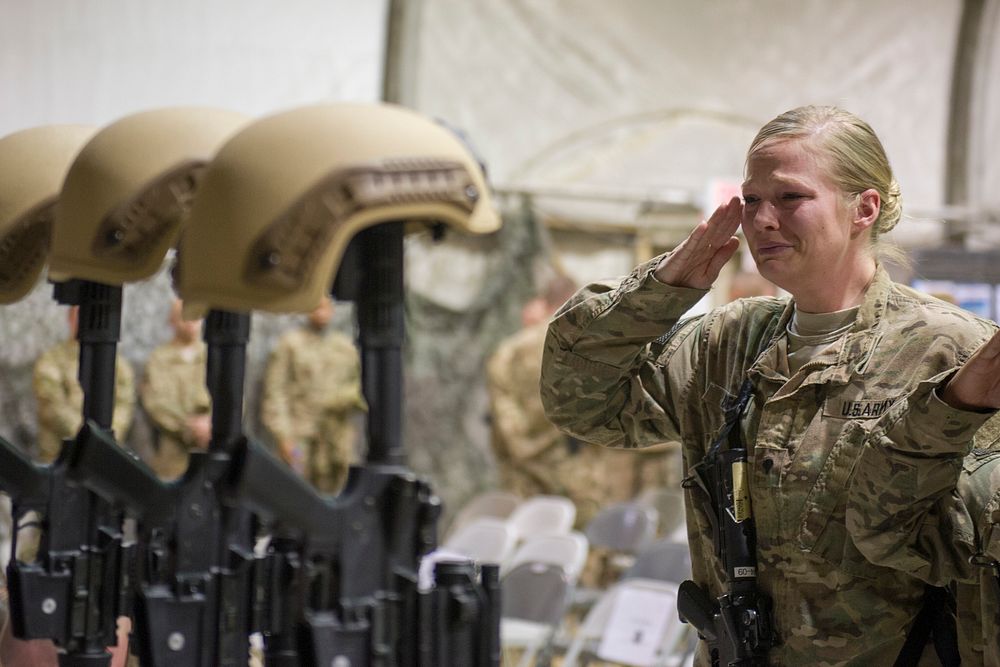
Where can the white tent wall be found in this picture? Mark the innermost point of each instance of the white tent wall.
(617, 117)
(984, 163)
(94, 61)
(644, 94)
(653, 102)
(521, 75)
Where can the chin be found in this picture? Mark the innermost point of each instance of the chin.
(773, 273)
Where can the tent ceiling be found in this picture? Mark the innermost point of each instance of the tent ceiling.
(525, 76)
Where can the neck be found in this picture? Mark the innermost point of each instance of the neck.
(831, 296)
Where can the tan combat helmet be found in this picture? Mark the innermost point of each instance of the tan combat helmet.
(129, 189)
(282, 198)
(33, 164)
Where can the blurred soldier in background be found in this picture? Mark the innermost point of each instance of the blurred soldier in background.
(60, 414)
(532, 456)
(312, 389)
(174, 395)
(60, 398)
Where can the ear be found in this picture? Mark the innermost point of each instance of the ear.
(866, 210)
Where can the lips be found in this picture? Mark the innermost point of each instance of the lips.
(768, 249)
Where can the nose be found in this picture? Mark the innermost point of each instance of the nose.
(761, 216)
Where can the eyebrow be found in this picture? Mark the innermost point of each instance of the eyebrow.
(786, 181)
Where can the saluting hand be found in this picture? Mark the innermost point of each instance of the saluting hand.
(976, 385)
(697, 261)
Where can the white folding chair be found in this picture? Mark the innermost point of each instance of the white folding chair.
(498, 504)
(624, 528)
(484, 540)
(669, 504)
(664, 560)
(534, 597)
(568, 551)
(671, 645)
(542, 515)
(620, 530)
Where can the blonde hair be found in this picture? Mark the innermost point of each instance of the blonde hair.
(854, 156)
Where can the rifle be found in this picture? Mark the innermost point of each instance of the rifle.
(344, 583)
(193, 600)
(79, 584)
(738, 626)
(339, 580)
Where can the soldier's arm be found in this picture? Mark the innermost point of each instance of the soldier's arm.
(903, 509)
(601, 380)
(161, 399)
(521, 438)
(56, 412)
(124, 398)
(347, 396)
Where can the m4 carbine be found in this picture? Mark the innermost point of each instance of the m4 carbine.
(80, 582)
(339, 579)
(738, 625)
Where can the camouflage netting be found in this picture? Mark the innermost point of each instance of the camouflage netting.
(447, 410)
(446, 427)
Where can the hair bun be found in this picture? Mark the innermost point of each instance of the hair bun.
(892, 209)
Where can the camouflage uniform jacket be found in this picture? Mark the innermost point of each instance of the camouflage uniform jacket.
(979, 490)
(60, 397)
(174, 390)
(312, 385)
(533, 457)
(621, 371)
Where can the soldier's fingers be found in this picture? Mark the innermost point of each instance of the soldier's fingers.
(723, 255)
(714, 233)
(707, 247)
(724, 216)
(694, 245)
(698, 234)
(725, 221)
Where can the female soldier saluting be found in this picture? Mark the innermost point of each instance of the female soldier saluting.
(851, 355)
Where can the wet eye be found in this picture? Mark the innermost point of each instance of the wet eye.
(750, 199)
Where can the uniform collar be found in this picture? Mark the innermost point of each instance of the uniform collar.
(865, 334)
(857, 346)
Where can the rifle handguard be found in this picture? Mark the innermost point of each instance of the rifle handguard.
(738, 627)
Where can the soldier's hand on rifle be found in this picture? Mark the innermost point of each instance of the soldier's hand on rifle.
(976, 385)
(200, 427)
(292, 455)
(697, 261)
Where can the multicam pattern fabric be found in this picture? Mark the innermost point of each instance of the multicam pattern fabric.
(60, 397)
(620, 370)
(312, 387)
(533, 457)
(174, 390)
(979, 490)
